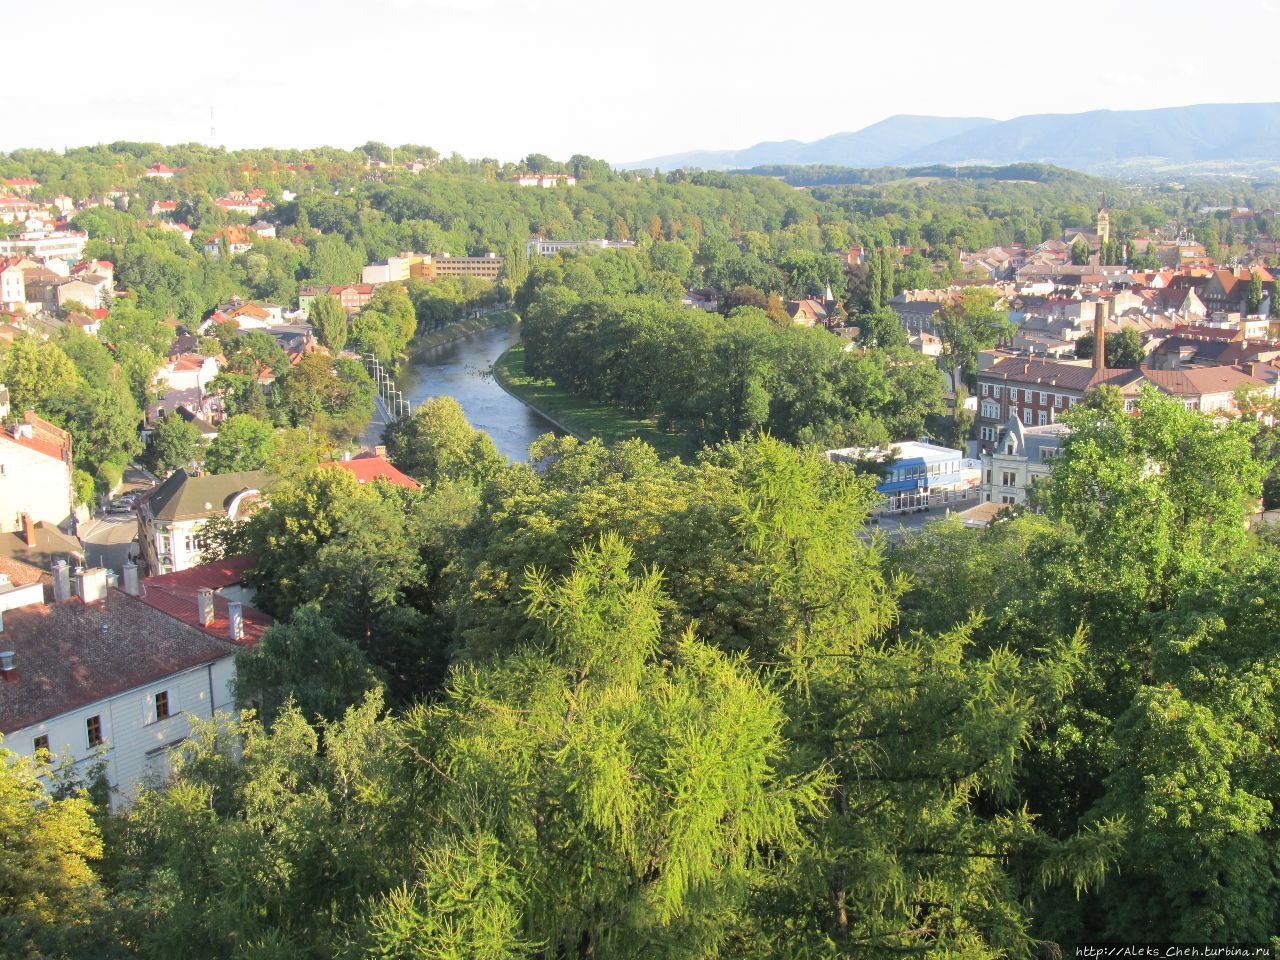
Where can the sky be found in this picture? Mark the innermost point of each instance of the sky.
(623, 81)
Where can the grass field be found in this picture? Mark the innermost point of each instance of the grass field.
(585, 418)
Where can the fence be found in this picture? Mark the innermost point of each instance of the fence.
(397, 406)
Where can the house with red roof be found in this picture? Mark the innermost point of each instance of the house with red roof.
(21, 185)
(95, 669)
(370, 467)
(238, 239)
(158, 171)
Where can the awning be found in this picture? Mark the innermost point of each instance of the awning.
(897, 486)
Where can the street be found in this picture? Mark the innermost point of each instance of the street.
(107, 537)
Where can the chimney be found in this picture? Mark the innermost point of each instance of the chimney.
(235, 620)
(380, 450)
(92, 584)
(1100, 335)
(28, 530)
(61, 581)
(131, 579)
(8, 669)
(204, 605)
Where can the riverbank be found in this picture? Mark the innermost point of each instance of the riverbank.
(580, 417)
(458, 330)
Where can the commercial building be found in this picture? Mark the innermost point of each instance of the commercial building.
(918, 475)
(536, 246)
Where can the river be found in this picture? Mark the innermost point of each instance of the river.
(461, 370)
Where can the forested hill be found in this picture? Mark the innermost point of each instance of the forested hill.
(1083, 141)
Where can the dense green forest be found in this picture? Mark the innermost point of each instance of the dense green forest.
(604, 704)
(625, 707)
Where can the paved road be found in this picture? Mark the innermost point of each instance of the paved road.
(372, 435)
(898, 525)
(107, 537)
(107, 540)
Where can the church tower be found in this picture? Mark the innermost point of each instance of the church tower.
(1104, 225)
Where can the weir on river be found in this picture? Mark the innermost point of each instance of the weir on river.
(461, 370)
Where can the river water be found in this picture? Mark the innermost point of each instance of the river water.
(461, 370)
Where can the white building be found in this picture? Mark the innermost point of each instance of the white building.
(545, 180)
(114, 676)
(35, 475)
(1021, 456)
(536, 246)
(13, 288)
(918, 475)
(390, 270)
(171, 516)
(65, 245)
(186, 372)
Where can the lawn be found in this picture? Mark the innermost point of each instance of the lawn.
(584, 418)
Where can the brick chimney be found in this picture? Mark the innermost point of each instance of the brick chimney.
(29, 530)
(1100, 335)
(8, 669)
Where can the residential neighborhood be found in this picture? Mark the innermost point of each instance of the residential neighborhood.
(413, 553)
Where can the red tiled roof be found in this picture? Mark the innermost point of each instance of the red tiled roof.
(180, 602)
(215, 575)
(36, 445)
(368, 467)
(22, 574)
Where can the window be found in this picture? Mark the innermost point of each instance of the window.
(990, 409)
(40, 744)
(1008, 478)
(1044, 398)
(93, 730)
(1026, 415)
(162, 705)
(1042, 418)
(988, 476)
(986, 389)
(995, 392)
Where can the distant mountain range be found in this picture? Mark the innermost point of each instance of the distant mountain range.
(1097, 140)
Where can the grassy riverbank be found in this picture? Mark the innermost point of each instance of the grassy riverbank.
(585, 418)
(460, 329)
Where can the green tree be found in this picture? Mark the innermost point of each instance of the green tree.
(1079, 251)
(881, 328)
(304, 663)
(969, 323)
(330, 321)
(437, 445)
(50, 898)
(243, 443)
(36, 372)
(1253, 295)
(174, 443)
(1124, 348)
